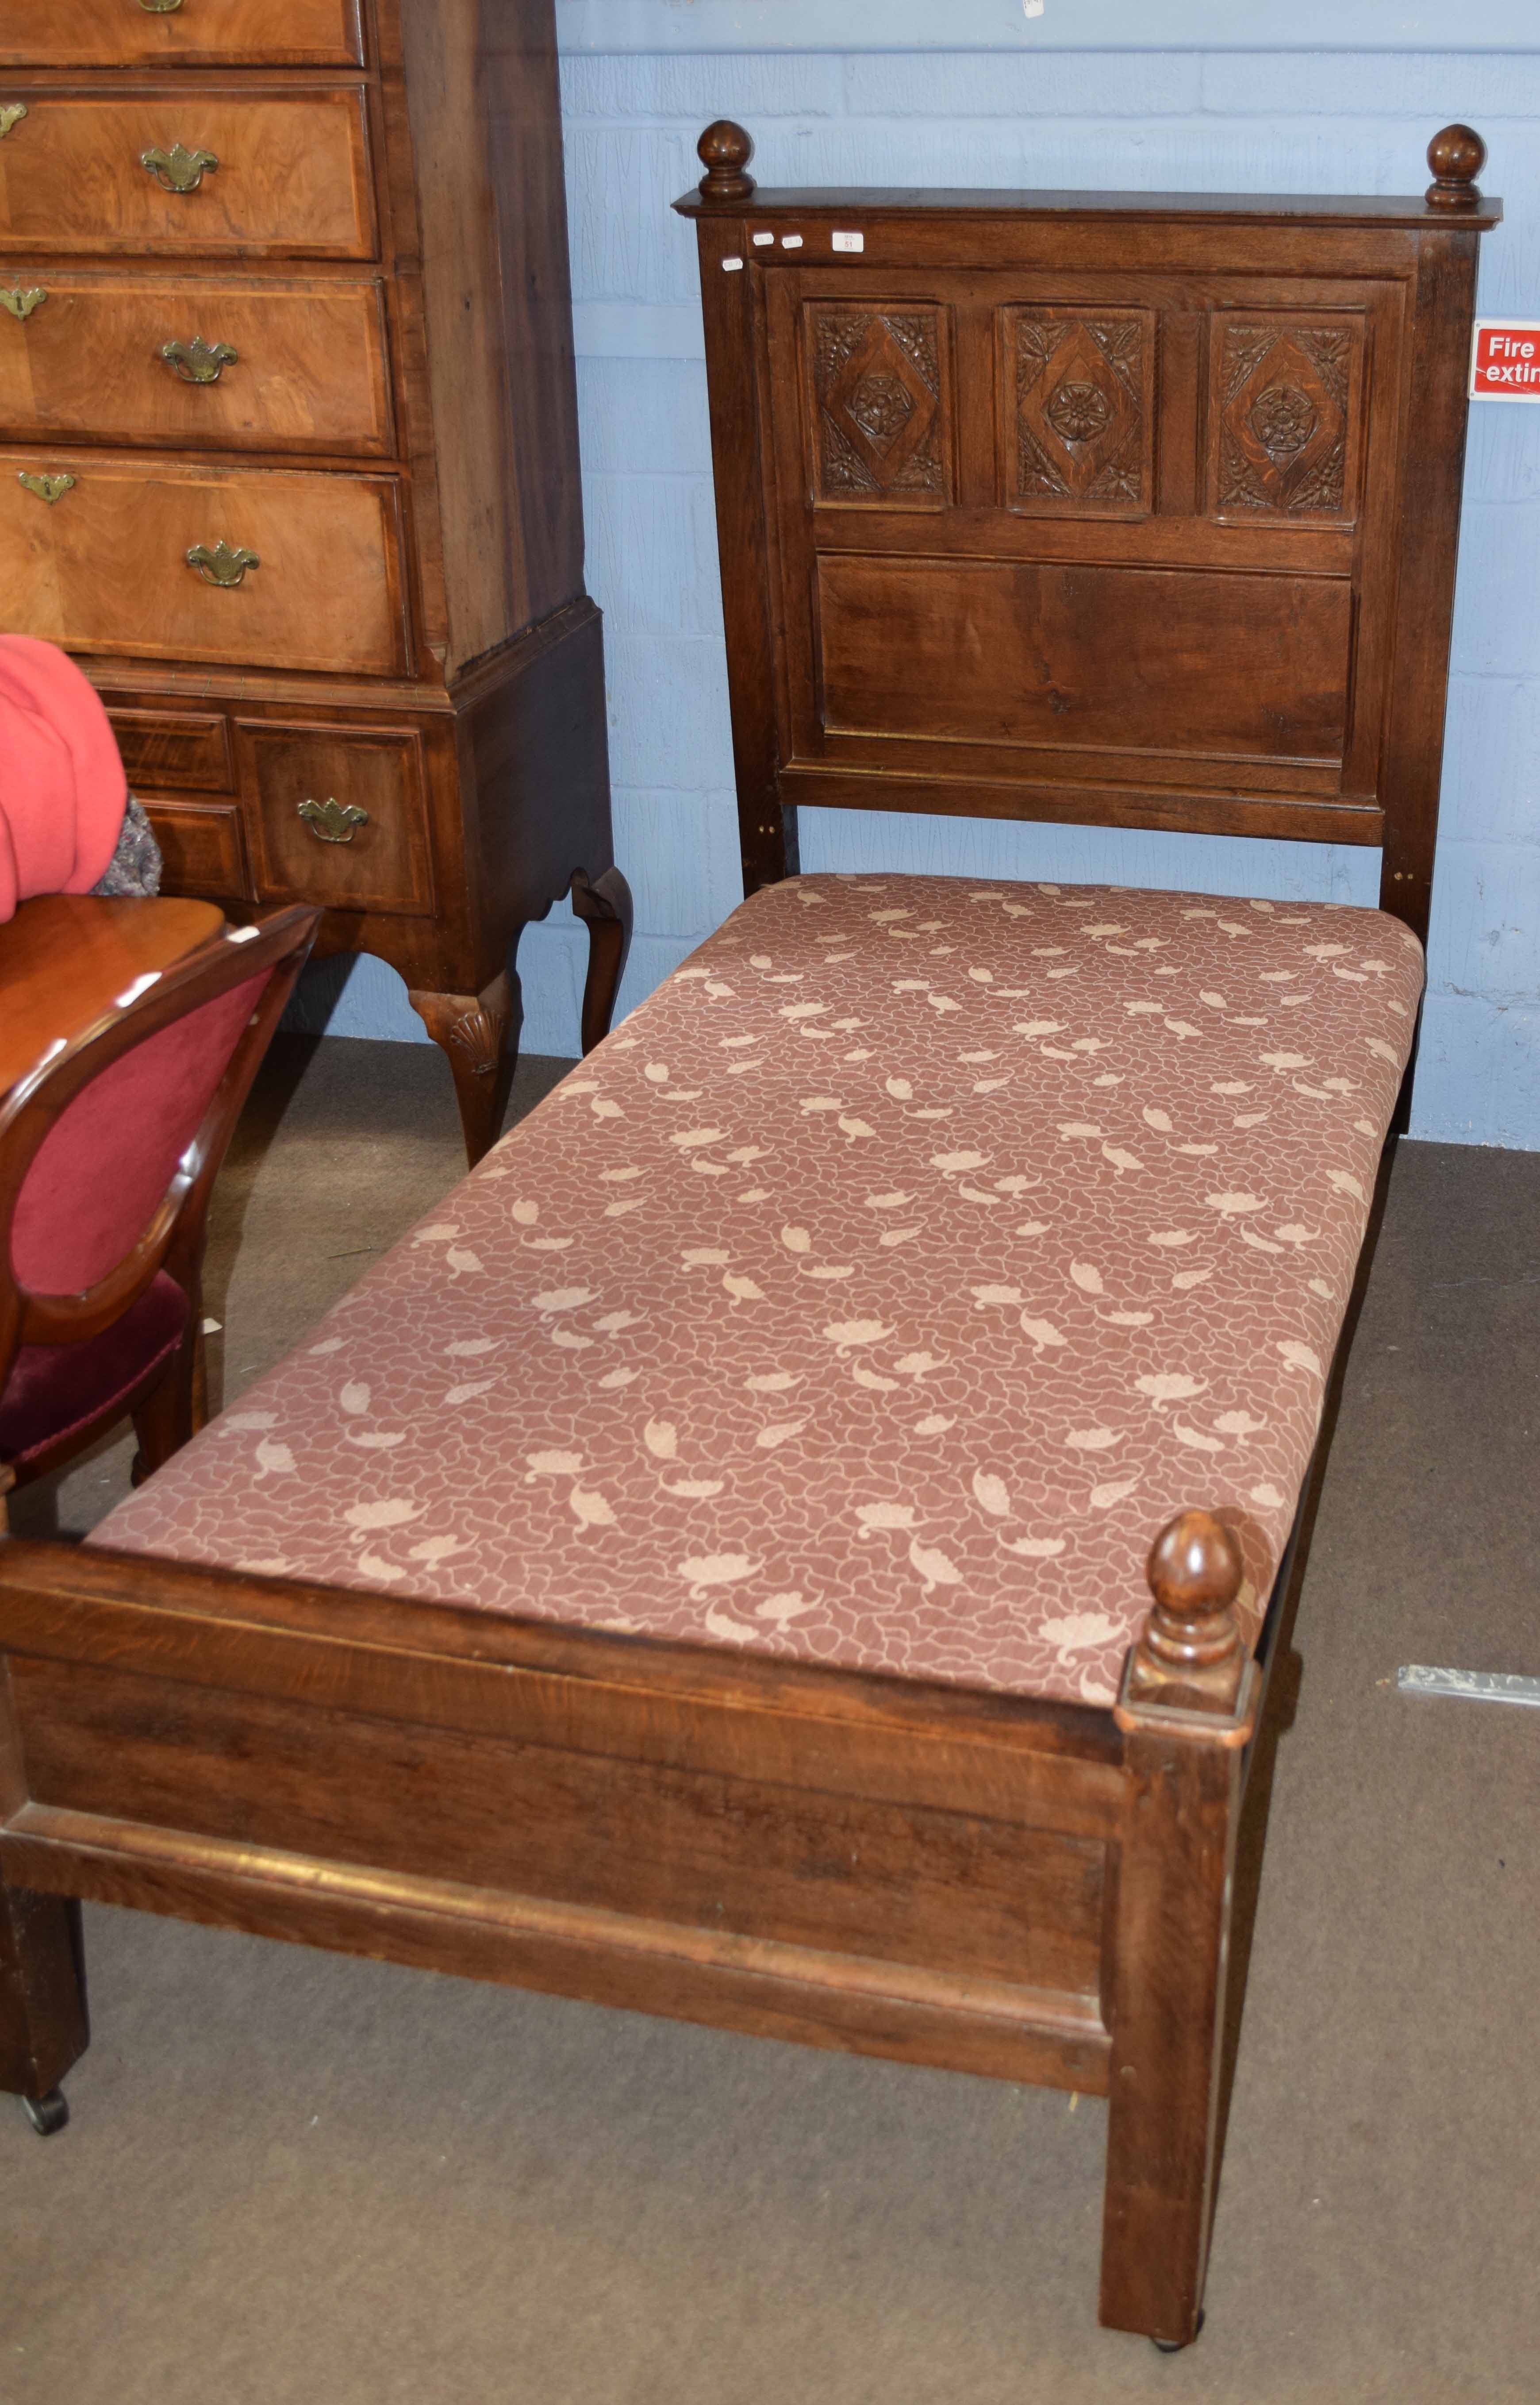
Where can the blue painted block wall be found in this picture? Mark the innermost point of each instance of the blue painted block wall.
(1017, 113)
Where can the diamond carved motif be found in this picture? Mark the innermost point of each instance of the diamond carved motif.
(877, 403)
(1082, 428)
(1286, 392)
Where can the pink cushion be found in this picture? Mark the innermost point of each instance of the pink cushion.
(873, 1297)
(55, 1389)
(63, 793)
(101, 1171)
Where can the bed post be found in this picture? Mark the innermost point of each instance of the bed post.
(1186, 1711)
(42, 1992)
(730, 299)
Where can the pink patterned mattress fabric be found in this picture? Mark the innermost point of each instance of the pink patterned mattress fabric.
(870, 1298)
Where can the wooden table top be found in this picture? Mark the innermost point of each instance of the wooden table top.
(64, 957)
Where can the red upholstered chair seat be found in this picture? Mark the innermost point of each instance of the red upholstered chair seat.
(108, 1150)
(53, 1389)
(102, 1171)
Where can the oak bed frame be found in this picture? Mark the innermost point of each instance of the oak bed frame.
(1124, 509)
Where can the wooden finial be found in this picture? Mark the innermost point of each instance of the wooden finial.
(725, 150)
(1457, 157)
(1191, 1653)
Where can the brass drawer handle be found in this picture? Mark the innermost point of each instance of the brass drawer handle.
(221, 566)
(21, 299)
(12, 113)
(48, 488)
(179, 169)
(198, 362)
(161, 7)
(331, 820)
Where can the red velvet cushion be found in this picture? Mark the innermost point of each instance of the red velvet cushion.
(55, 1388)
(101, 1171)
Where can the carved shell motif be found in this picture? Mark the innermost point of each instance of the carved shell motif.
(480, 1038)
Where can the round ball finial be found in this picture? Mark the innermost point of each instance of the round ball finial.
(1195, 1564)
(1457, 157)
(1194, 1571)
(724, 150)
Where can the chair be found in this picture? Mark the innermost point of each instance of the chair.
(108, 1152)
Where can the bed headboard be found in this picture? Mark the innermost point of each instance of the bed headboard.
(1128, 509)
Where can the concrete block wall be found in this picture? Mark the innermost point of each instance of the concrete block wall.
(1018, 113)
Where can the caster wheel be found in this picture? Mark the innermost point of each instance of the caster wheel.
(48, 2114)
(1176, 2345)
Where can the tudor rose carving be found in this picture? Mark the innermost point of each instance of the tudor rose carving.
(1082, 435)
(1285, 393)
(878, 409)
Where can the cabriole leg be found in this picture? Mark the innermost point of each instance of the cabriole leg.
(472, 1030)
(605, 906)
(1185, 1710)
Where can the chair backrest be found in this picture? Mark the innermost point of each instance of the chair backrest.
(108, 1148)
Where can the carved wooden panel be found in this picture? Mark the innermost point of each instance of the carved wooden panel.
(1078, 411)
(878, 403)
(1085, 655)
(1287, 400)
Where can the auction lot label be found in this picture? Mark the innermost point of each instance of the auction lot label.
(1506, 361)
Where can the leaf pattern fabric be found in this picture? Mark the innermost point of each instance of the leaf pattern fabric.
(871, 1297)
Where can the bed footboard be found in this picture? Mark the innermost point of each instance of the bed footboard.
(1022, 1890)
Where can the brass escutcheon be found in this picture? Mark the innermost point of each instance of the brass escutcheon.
(21, 299)
(332, 820)
(12, 113)
(221, 565)
(48, 488)
(199, 362)
(179, 169)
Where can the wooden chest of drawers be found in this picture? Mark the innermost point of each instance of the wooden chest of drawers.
(288, 460)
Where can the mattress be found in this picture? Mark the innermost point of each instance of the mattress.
(870, 1298)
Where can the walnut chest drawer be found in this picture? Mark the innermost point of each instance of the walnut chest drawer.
(188, 33)
(184, 752)
(265, 363)
(203, 847)
(289, 459)
(335, 814)
(257, 565)
(162, 169)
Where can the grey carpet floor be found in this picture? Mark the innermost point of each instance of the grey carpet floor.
(298, 2177)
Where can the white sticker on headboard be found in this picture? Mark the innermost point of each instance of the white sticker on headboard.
(847, 242)
(791, 242)
(758, 240)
